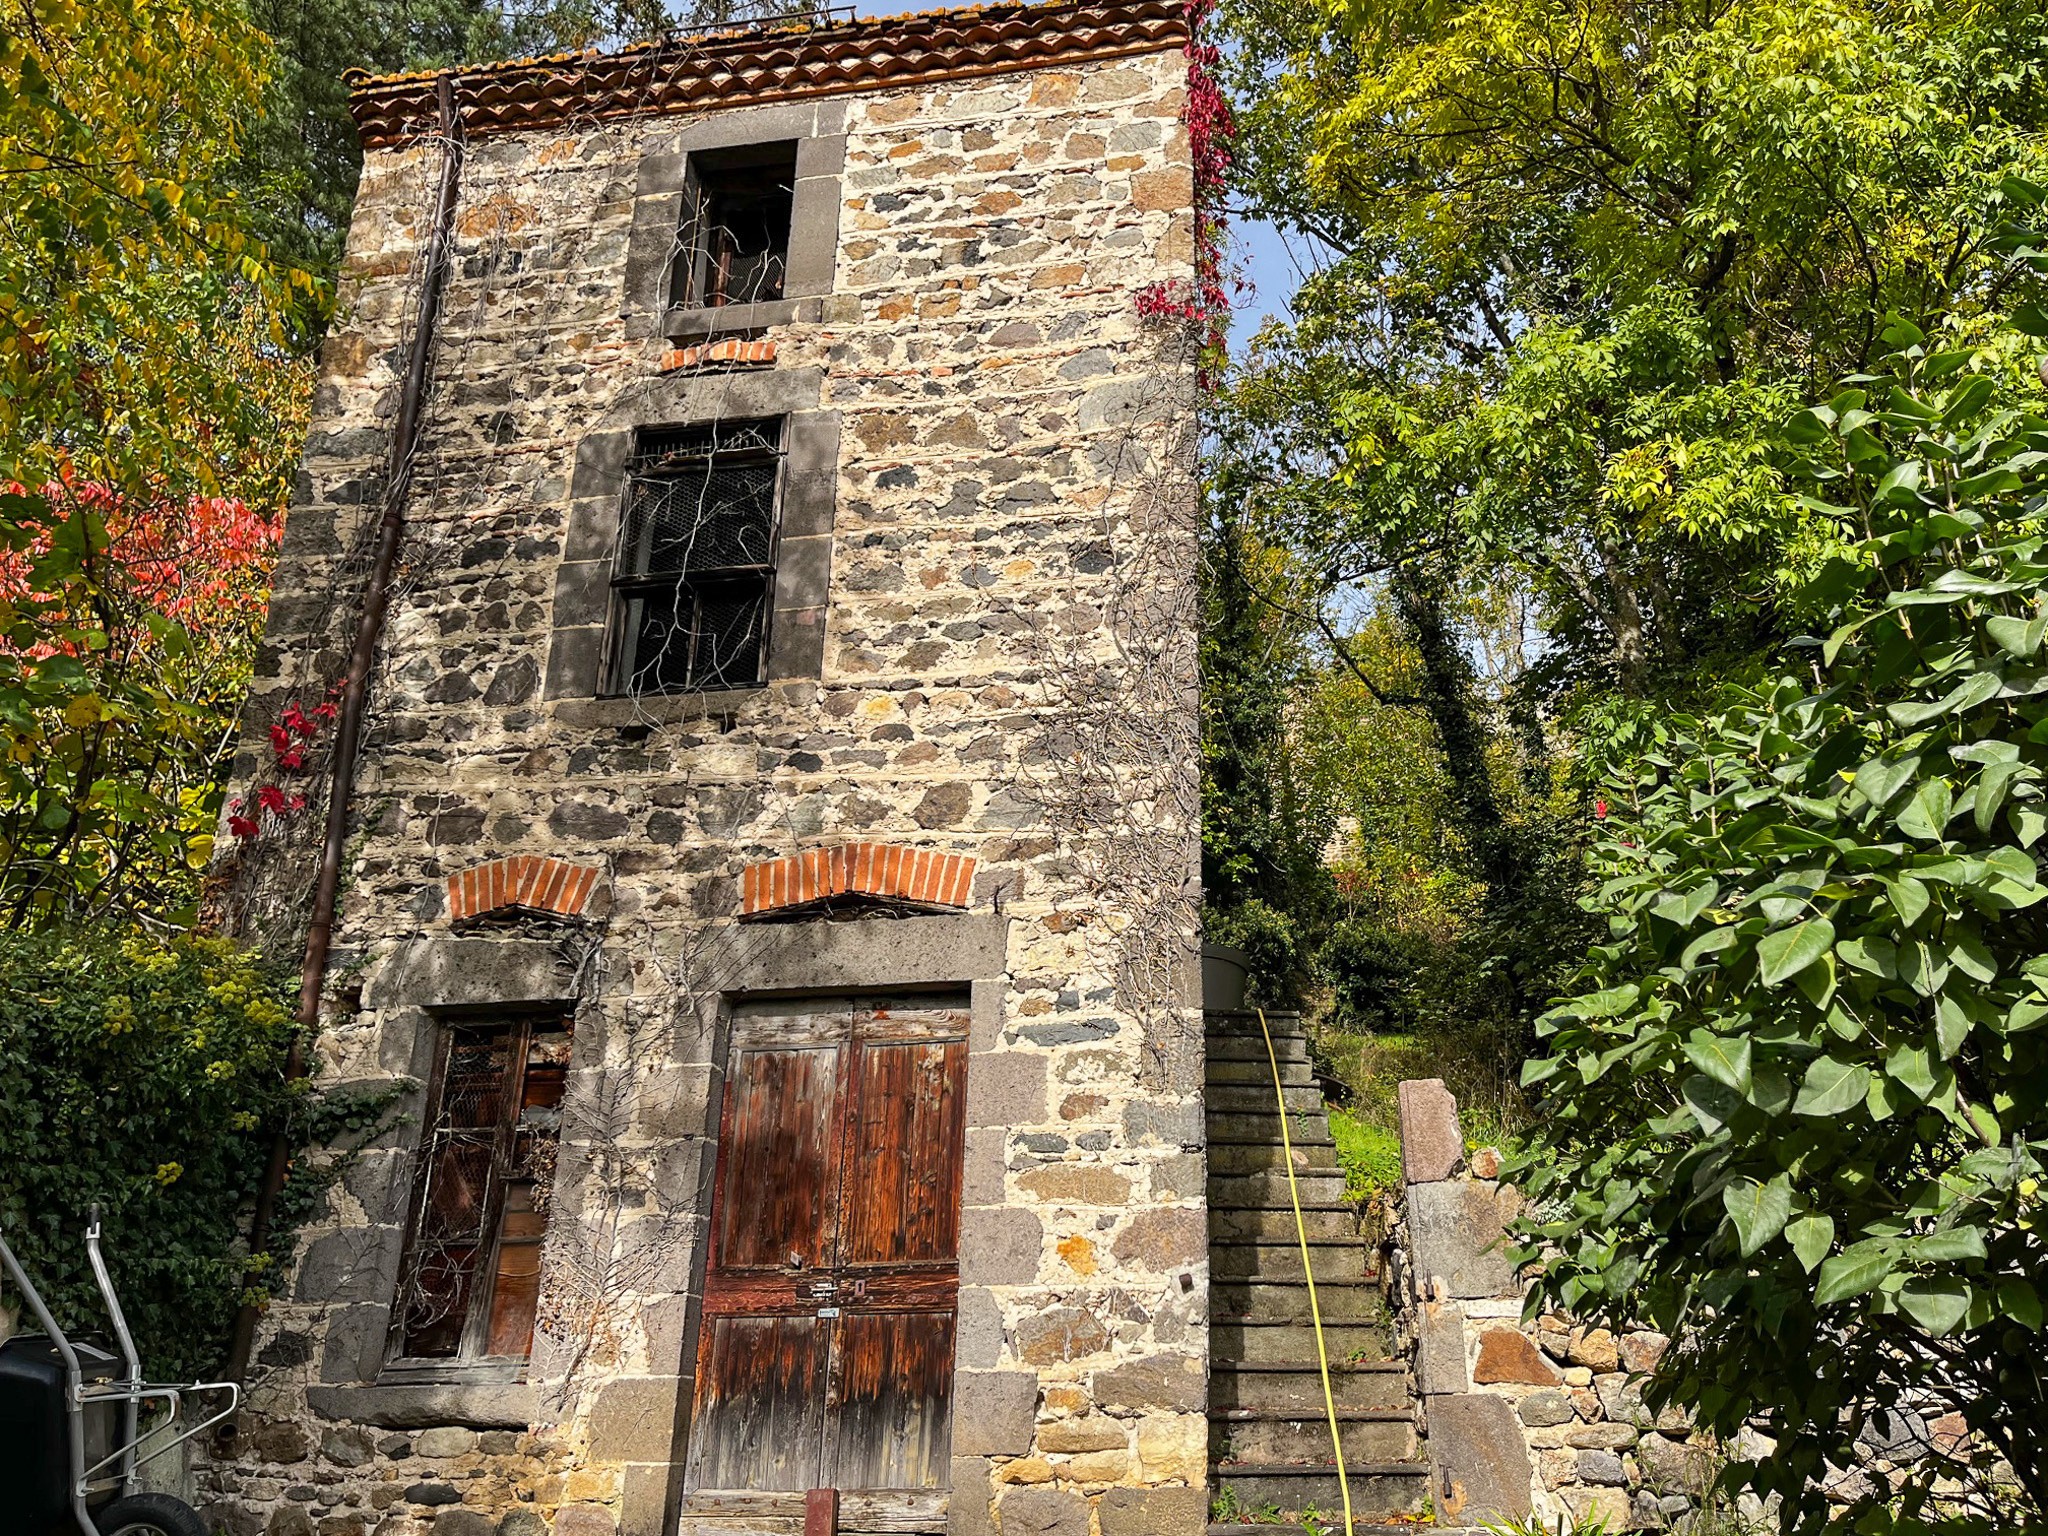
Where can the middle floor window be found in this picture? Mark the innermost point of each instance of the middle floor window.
(694, 581)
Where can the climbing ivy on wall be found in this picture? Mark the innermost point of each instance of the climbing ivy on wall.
(145, 1075)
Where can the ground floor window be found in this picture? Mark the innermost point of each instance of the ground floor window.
(471, 1279)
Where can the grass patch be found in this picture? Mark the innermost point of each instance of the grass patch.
(1367, 1129)
(1369, 1154)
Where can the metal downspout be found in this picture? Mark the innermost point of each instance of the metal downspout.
(349, 728)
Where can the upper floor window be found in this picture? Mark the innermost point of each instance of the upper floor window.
(736, 222)
(472, 1273)
(694, 578)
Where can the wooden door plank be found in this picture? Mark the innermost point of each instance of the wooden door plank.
(903, 1158)
(778, 1162)
(762, 1404)
(892, 1423)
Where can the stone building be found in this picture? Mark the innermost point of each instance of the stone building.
(769, 899)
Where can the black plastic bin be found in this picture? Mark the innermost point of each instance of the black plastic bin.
(35, 1456)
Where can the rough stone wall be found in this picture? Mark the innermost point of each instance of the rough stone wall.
(1546, 1417)
(1543, 1418)
(1006, 672)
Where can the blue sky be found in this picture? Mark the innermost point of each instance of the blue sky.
(1273, 265)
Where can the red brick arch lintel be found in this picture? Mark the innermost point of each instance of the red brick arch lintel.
(524, 880)
(886, 871)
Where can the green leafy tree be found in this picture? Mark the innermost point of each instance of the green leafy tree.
(1798, 1115)
(1582, 259)
(150, 414)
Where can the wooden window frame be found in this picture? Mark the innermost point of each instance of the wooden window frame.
(631, 585)
(469, 1363)
(698, 284)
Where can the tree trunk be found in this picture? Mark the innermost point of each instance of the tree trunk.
(1631, 652)
(1447, 691)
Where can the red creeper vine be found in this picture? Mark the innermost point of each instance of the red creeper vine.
(290, 736)
(1211, 129)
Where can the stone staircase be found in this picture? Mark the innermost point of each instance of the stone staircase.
(1270, 1457)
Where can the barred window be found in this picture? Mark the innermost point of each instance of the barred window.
(736, 222)
(472, 1272)
(696, 567)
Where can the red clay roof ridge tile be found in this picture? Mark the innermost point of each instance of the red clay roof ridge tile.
(772, 62)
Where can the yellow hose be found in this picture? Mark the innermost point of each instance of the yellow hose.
(1315, 1310)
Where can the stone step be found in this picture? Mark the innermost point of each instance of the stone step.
(1257, 1098)
(1267, 1223)
(1287, 1302)
(1257, 1074)
(1378, 1488)
(1286, 1342)
(1342, 1261)
(1243, 1434)
(1252, 1047)
(1227, 1020)
(1275, 1191)
(1263, 1125)
(1232, 1157)
(1296, 1387)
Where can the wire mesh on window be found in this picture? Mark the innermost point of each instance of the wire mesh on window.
(711, 514)
(472, 1277)
(695, 556)
(679, 636)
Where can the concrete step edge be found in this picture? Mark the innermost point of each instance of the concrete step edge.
(1386, 1367)
(1318, 1468)
(1272, 1141)
(1285, 1416)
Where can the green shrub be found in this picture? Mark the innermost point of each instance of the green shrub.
(1372, 970)
(1272, 945)
(145, 1074)
(1798, 1112)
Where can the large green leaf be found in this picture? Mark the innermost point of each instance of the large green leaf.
(2019, 1301)
(2018, 638)
(1909, 898)
(1726, 1061)
(1852, 1273)
(1811, 1235)
(1713, 1103)
(1791, 950)
(1831, 1087)
(1938, 1305)
(1927, 811)
(1951, 1027)
(1912, 1068)
(1949, 1247)
(1759, 1210)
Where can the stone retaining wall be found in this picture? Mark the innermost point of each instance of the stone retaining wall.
(1542, 1418)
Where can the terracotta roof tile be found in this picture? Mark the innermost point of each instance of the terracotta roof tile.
(770, 63)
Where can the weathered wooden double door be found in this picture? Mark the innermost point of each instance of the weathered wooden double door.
(826, 1354)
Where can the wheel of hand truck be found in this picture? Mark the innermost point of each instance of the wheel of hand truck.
(149, 1514)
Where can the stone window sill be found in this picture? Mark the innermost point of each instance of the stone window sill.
(424, 1405)
(654, 709)
(679, 323)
